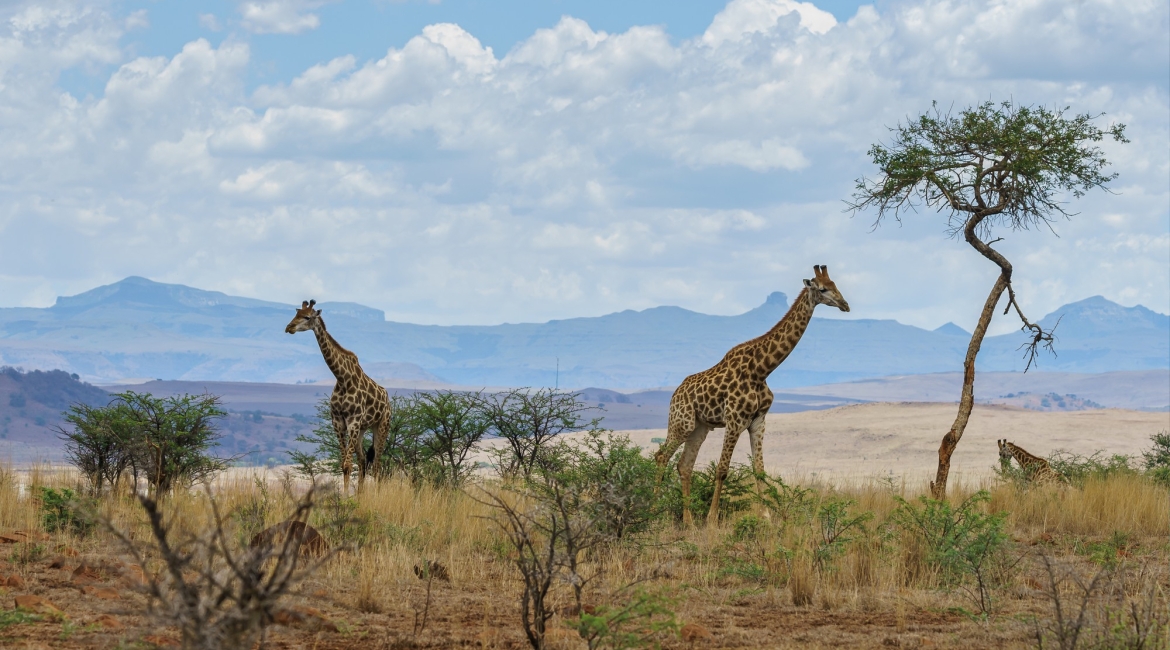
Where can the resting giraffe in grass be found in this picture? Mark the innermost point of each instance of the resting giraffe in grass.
(734, 393)
(1037, 469)
(358, 403)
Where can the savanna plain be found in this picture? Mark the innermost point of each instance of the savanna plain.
(842, 549)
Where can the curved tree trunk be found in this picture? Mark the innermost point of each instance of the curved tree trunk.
(938, 487)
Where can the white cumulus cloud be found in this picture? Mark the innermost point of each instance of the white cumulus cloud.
(581, 172)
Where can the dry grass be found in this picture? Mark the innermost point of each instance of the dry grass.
(880, 592)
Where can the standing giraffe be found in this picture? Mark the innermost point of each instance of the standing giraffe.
(1037, 469)
(358, 403)
(734, 393)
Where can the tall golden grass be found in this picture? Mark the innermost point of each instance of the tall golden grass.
(399, 526)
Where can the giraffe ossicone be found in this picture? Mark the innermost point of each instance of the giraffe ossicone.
(358, 403)
(734, 393)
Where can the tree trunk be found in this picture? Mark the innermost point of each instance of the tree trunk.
(938, 487)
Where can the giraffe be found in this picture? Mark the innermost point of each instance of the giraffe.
(1037, 469)
(734, 393)
(358, 403)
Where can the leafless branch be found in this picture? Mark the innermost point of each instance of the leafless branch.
(216, 593)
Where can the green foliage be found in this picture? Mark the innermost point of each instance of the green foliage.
(1157, 458)
(748, 527)
(616, 479)
(1077, 469)
(325, 457)
(101, 443)
(1106, 553)
(837, 528)
(27, 552)
(790, 505)
(403, 454)
(1007, 163)
(962, 542)
(252, 515)
(63, 510)
(739, 488)
(166, 440)
(10, 617)
(172, 437)
(529, 421)
(341, 520)
(451, 426)
(641, 620)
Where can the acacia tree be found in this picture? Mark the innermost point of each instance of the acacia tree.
(991, 166)
(99, 443)
(529, 420)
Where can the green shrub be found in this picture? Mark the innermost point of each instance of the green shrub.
(619, 483)
(739, 488)
(1077, 469)
(790, 505)
(963, 543)
(642, 620)
(63, 510)
(1157, 459)
(837, 528)
(340, 520)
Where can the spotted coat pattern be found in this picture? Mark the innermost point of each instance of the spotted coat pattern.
(734, 393)
(358, 404)
(1037, 469)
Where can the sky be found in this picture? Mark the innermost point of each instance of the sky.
(476, 162)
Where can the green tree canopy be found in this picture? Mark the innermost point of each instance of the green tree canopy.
(991, 165)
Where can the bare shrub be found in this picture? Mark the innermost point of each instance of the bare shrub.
(216, 592)
(1115, 607)
(551, 527)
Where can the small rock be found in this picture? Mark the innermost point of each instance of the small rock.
(692, 632)
(57, 563)
(85, 574)
(109, 622)
(21, 536)
(36, 604)
(15, 581)
(105, 593)
(320, 593)
(159, 640)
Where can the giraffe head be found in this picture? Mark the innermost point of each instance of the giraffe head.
(1005, 451)
(306, 318)
(824, 291)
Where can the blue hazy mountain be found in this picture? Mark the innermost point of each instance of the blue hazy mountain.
(137, 328)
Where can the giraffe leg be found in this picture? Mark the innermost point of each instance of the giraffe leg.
(381, 432)
(677, 430)
(357, 447)
(734, 429)
(686, 466)
(341, 428)
(756, 437)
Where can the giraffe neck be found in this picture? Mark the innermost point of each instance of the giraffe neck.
(1025, 459)
(336, 357)
(779, 342)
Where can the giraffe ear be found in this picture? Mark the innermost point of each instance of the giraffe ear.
(808, 283)
(318, 312)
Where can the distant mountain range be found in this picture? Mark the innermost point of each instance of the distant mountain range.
(137, 329)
